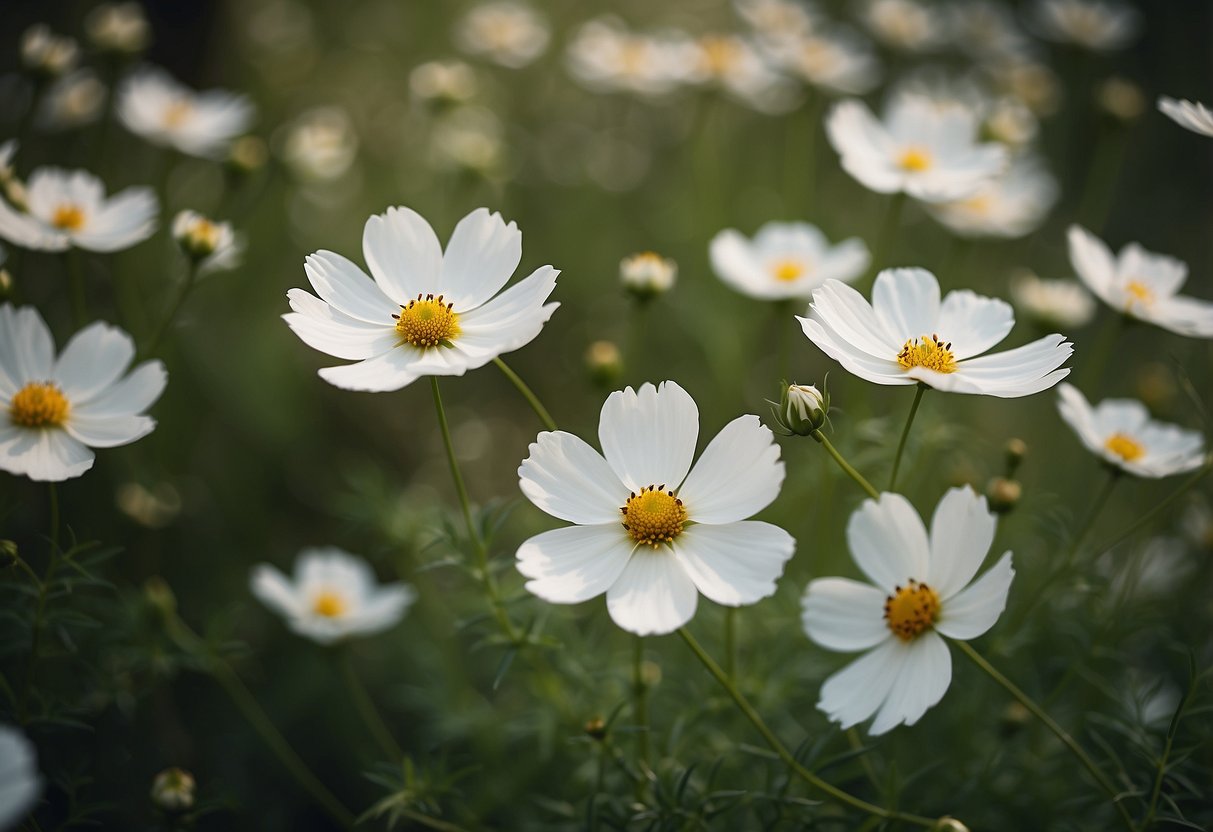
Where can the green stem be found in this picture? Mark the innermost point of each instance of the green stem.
(640, 707)
(528, 394)
(191, 277)
(888, 231)
(35, 641)
(481, 551)
(730, 642)
(1146, 518)
(244, 701)
(430, 822)
(1103, 349)
(905, 434)
(366, 708)
(75, 276)
(783, 333)
(778, 747)
(1068, 741)
(1093, 513)
(844, 465)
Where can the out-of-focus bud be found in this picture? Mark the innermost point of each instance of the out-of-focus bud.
(1013, 717)
(118, 28)
(604, 362)
(1015, 451)
(802, 409)
(321, 144)
(1155, 386)
(1004, 494)
(160, 596)
(173, 790)
(950, 824)
(1032, 83)
(247, 154)
(1121, 99)
(46, 54)
(198, 236)
(650, 673)
(154, 508)
(443, 83)
(596, 728)
(6, 283)
(14, 189)
(8, 553)
(1011, 122)
(647, 274)
(73, 101)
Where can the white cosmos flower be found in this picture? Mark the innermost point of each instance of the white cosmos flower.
(648, 534)
(508, 33)
(1192, 115)
(986, 31)
(332, 596)
(906, 336)
(924, 589)
(56, 410)
(213, 245)
(735, 64)
(1100, 25)
(1010, 205)
(785, 260)
(20, 783)
(1140, 284)
(426, 312)
(158, 108)
(906, 25)
(836, 59)
(1121, 432)
(779, 18)
(68, 209)
(606, 57)
(927, 150)
(647, 274)
(1054, 303)
(320, 144)
(72, 101)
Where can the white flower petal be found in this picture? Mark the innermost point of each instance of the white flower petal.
(576, 563)
(45, 455)
(93, 359)
(738, 474)
(975, 608)
(854, 360)
(973, 323)
(906, 301)
(854, 693)
(648, 437)
(735, 563)
(962, 530)
(653, 595)
(27, 232)
(888, 541)
(403, 254)
(844, 311)
(26, 347)
(128, 396)
(345, 286)
(387, 371)
(480, 257)
(121, 221)
(108, 431)
(1093, 262)
(845, 615)
(568, 479)
(275, 590)
(922, 680)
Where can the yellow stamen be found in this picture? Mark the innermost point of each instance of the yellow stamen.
(329, 604)
(927, 352)
(427, 322)
(177, 113)
(788, 270)
(911, 609)
(69, 217)
(1125, 447)
(720, 54)
(914, 159)
(654, 516)
(39, 405)
(1140, 293)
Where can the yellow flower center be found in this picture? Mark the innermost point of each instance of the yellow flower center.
(427, 322)
(1125, 447)
(720, 55)
(329, 604)
(39, 405)
(69, 217)
(177, 113)
(788, 270)
(914, 159)
(654, 516)
(979, 205)
(1138, 293)
(927, 352)
(911, 609)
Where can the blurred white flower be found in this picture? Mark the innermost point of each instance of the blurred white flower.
(1054, 303)
(1011, 122)
(906, 336)
(1030, 82)
(1100, 25)
(924, 590)
(448, 82)
(508, 33)
(20, 783)
(779, 18)
(836, 59)
(56, 410)
(785, 260)
(1010, 205)
(120, 28)
(927, 150)
(734, 64)
(320, 144)
(66, 209)
(606, 57)
(905, 25)
(986, 30)
(1191, 115)
(648, 533)
(1120, 432)
(48, 54)
(213, 246)
(1120, 98)
(426, 312)
(1197, 523)
(72, 101)
(173, 790)
(155, 106)
(648, 274)
(469, 140)
(332, 596)
(1140, 284)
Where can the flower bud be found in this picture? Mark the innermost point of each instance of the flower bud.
(6, 283)
(950, 824)
(14, 189)
(160, 596)
(1003, 494)
(596, 728)
(8, 553)
(173, 790)
(1121, 99)
(802, 409)
(47, 54)
(604, 362)
(647, 274)
(1015, 451)
(198, 236)
(247, 154)
(118, 28)
(443, 83)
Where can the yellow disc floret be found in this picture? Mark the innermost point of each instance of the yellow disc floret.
(177, 113)
(68, 216)
(39, 405)
(329, 604)
(1138, 293)
(654, 516)
(914, 159)
(911, 609)
(427, 322)
(931, 353)
(1125, 447)
(788, 270)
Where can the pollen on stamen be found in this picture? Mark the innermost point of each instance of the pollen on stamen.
(427, 322)
(931, 353)
(911, 610)
(654, 516)
(914, 159)
(39, 405)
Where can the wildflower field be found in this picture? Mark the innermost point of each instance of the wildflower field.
(520, 415)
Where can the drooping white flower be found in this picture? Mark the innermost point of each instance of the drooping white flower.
(1192, 115)
(734, 63)
(426, 312)
(332, 596)
(924, 590)
(164, 112)
(906, 335)
(606, 57)
(905, 25)
(506, 32)
(648, 533)
(1011, 205)
(1140, 284)
(647, 274)
(1121, 432)
(54, 411)
(1053, 303)
(836, 59)
(214, 246)
(320, 144)
(785, 260)
(46, 53)
(930, 152)
(68, 209)
(120, 28)
(20, 783)
(1100, 25)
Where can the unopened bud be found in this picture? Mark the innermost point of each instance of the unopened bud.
(47, 54)
(247, 154)
(160, 596)
(950, 824)
(173, 790)
(1004, 494)
(198, 236)
(647, 274)
(604, 362)
(6, 283)
(650, 673)
(596, 728)
(1121, 99)
(1015, 450)
(118, 28)
(802, 409)
(1013, 717)
(8, 553)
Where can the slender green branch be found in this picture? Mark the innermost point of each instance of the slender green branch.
(905, 434)
(183, 292)
(888, 230)
(1093, 513)
(43, 584)
(788, 758)
(366, 707)
(1157, 509)
(528, 394)
(844, 465)
(730, 642)
(1069, 742)
(75, 276)
(640, 706)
